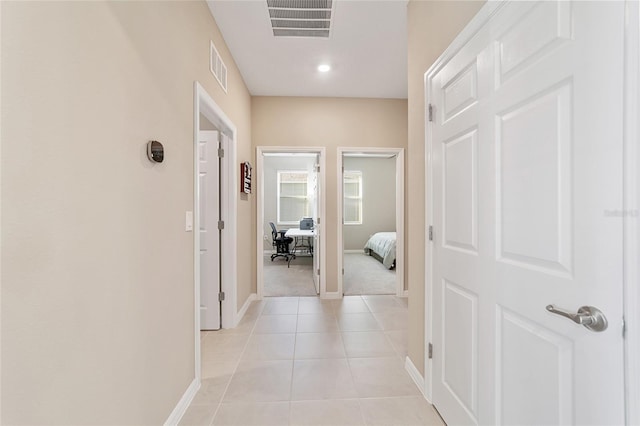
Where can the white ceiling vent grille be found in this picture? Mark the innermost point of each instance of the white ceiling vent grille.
(217, 67)
(301, 18)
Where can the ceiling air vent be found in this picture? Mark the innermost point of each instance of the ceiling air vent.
(217, 67)
(300, 18)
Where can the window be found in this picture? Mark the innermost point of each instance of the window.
(352, 198)
(294, 201)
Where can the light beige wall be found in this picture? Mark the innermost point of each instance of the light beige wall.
(378, 199)
(432, 26)
(329, 122)
(97, 269)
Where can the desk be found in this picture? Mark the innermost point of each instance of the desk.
(302, 239)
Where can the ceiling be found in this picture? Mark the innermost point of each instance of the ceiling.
(366, 49)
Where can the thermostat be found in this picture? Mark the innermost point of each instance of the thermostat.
(155, 151)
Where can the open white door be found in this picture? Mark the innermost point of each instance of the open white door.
(209, 197)
(526, 155)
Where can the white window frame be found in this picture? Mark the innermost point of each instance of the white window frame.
(306, 197)
(358, 197)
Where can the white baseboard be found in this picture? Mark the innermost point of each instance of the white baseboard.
(331, 295)
(415, 375)
(244, 308)
(183, 404)
(361, 251)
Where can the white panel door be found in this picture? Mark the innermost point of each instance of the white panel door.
(209, 200)
(526, 158)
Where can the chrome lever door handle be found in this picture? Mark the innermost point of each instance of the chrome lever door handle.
(578, 318)
(588, 316)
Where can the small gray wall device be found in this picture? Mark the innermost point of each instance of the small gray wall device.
(155, 151)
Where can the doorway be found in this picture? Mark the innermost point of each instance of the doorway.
(371, 211)
(220, 284)
(290, 237)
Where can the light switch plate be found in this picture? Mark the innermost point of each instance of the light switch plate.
(188, 226)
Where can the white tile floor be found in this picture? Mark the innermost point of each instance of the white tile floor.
(304, 361)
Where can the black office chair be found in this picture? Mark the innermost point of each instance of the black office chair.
(281, 243)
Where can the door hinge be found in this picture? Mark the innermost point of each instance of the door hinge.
(221, 296)
(221, 225)
(342, 169)
(342, 271)
(318, 168)
(430, 351)
(318, 221)
(430, 112)
(318, 271)
(430, 232)
(220, 152)
(624, 329)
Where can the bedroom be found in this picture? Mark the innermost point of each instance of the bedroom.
(372, 213)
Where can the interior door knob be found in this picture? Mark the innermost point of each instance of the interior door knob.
(590, 317)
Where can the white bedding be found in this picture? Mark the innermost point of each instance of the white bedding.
(384, 245)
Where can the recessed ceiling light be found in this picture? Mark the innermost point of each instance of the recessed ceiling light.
(324, 68)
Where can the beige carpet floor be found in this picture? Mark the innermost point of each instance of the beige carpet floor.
(297, 280)
(363, 274)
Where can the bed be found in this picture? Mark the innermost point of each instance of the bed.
(382, 246)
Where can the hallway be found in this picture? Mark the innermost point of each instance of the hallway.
(306, 361)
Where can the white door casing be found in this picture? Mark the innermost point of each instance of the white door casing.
(399, 207)
(317, 226)
(525, 160)
(209, 196)
(230, 316)
(631, 213)
(320, 249)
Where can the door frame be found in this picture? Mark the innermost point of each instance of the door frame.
(483, 15)
(204, 104)
(400, 264)
(260, 151)
(631, 203)
(631, 199)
